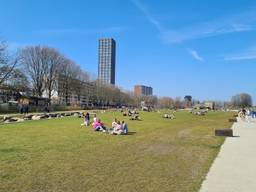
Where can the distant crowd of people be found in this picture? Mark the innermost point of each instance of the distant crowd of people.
(23, 109)
(117, 128)
(247, 114)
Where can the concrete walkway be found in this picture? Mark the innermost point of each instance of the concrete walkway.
(234, 169)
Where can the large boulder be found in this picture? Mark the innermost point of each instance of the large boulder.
(59, 115)
(52, 115)
(6, 117)
(76, 114)
(36, 117)
(62, 114)
(44, 116)
(67, 114)
(20, 120)
(28, 117)
(13, 119)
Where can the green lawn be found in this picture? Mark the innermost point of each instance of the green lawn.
(160, 155)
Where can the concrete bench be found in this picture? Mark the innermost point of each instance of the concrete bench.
(224, 132)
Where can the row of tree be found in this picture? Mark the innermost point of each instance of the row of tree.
(241, 100)
(44, 71)
(39, 69)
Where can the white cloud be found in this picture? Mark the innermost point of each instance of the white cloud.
(204, 30)
(249, 54)
(147, 14)
(195, 55)
(233, 24)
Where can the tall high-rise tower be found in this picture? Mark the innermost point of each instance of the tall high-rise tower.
(107, 61)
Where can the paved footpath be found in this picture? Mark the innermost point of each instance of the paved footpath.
(234, 169)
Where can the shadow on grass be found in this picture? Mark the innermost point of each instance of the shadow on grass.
(228, 136)
(135, 119)
(131, 133)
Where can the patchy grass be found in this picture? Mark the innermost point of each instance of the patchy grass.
(160, 154)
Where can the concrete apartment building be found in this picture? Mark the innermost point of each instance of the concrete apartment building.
(142, 90)
(74, 92)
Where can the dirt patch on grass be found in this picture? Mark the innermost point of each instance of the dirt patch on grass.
(159, 149)
(184, 133)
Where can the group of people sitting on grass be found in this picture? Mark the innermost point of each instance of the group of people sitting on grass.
(118, 128)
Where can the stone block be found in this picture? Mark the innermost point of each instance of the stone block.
(224, 132)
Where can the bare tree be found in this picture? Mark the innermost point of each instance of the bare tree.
(69, 83)
(51, 60)
(126, 98)
(82, 78)
(177, 103)
(17, 81)
(64, 79)
(165, 102)
(110, 95)
(32, 60)
(42, 64)
(7, 64)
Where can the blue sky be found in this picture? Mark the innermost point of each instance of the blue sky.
(203, 48)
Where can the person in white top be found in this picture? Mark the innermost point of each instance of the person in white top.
(95, 118)
(118, 130)
(114, 123)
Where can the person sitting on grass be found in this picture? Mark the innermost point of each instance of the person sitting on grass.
(125, 128)
(118, 129)
(95, 118)
(114, 123)
(98, 126)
